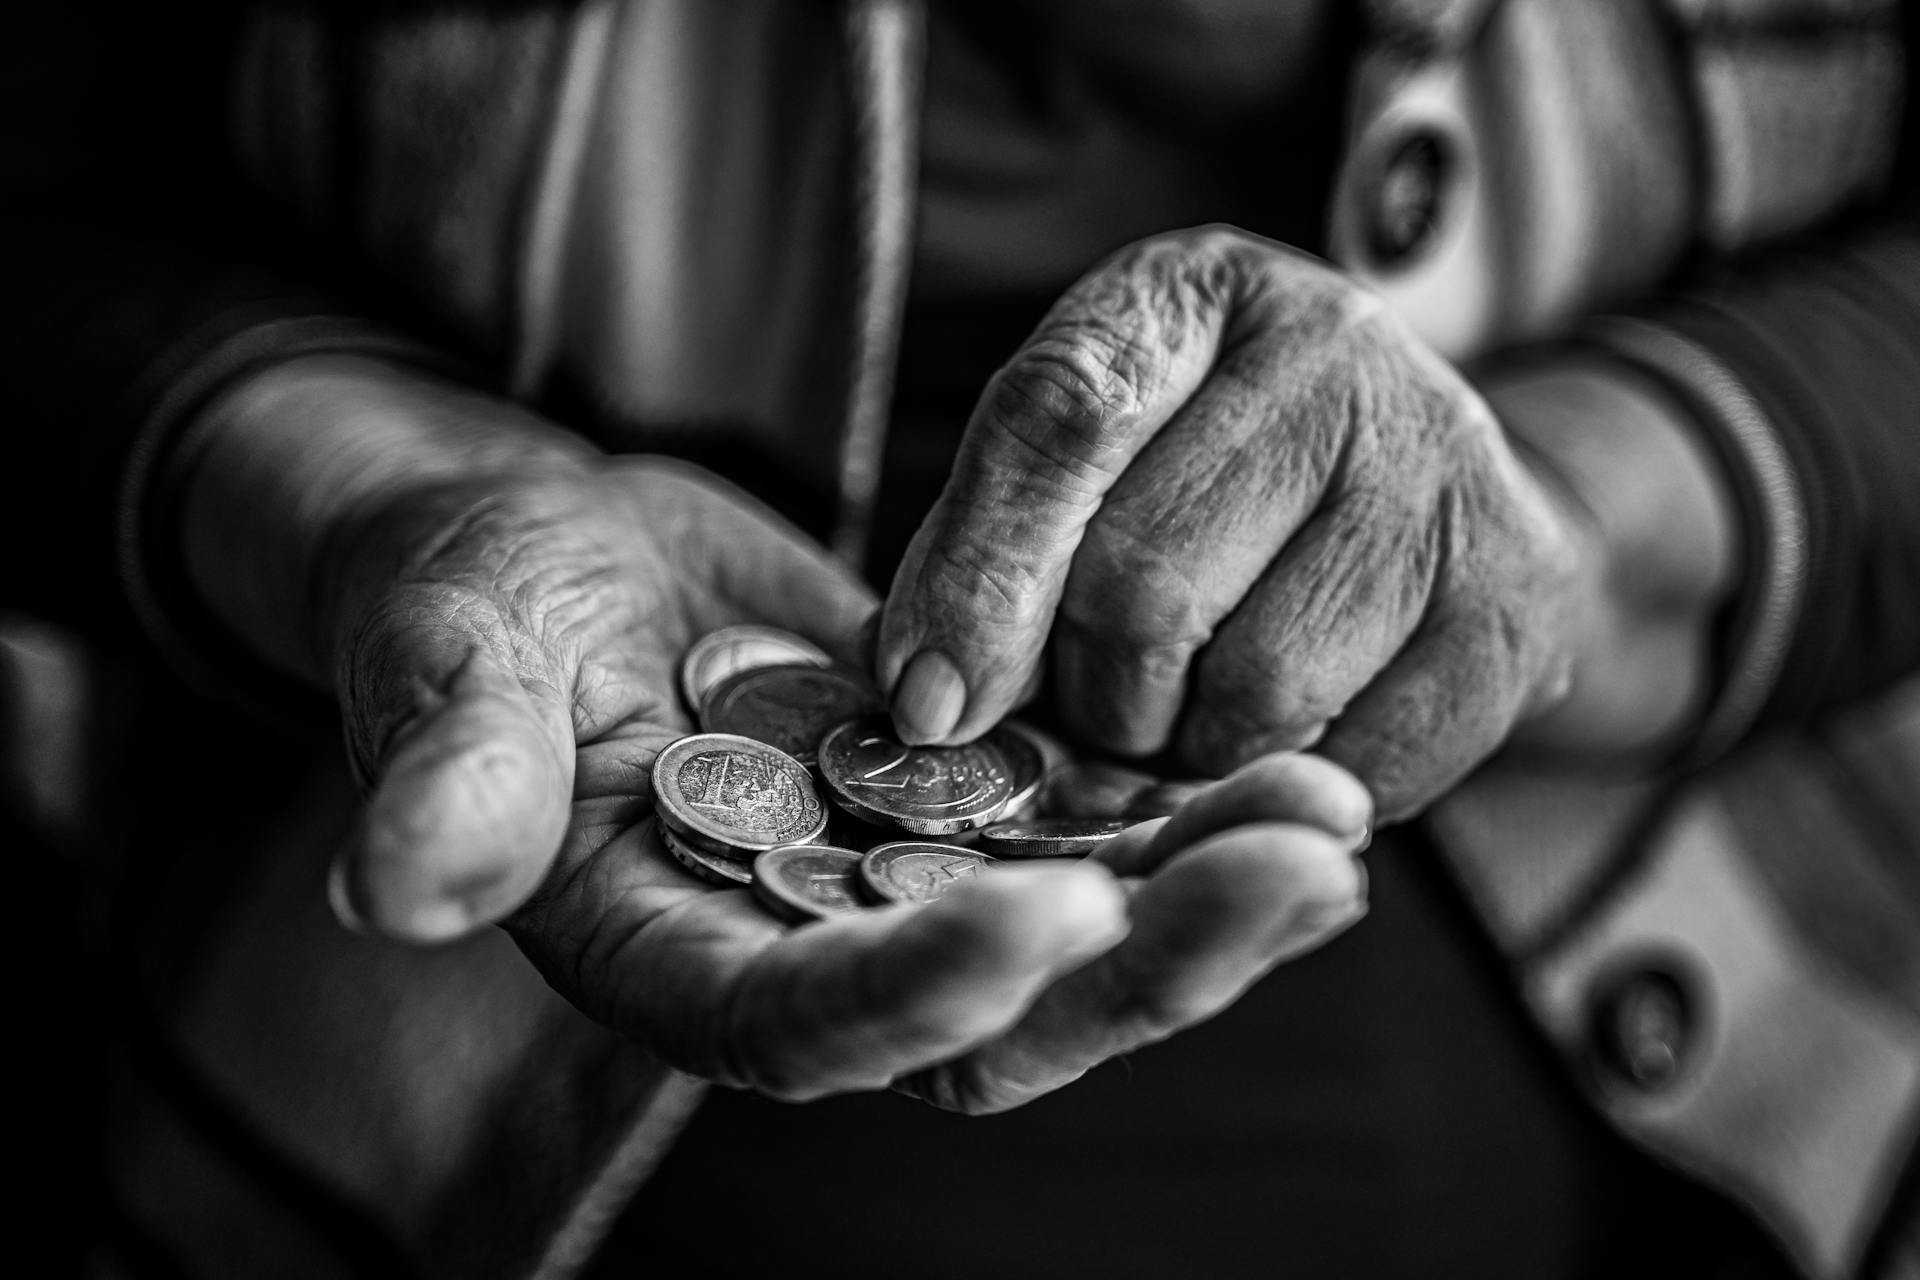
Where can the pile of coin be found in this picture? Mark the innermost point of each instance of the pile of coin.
(782, 726)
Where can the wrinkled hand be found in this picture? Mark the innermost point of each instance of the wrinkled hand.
(506, 655)
(1250, 512)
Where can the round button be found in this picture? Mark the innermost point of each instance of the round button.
(1642, 1027)
(1406, 206)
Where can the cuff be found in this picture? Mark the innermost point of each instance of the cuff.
(179, 389)
(1773, 506)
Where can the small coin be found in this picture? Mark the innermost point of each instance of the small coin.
(725, 790)
(722, 653)
(1163, 798)
(705, 844)
(1025, 761)
(726, 872)
(1050, 837)
(790, 707)
(918, 870)
(799, 883)
(929, 791)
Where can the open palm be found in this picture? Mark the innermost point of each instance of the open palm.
(508, 679)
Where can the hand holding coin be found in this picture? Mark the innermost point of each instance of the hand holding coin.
(685, 909)
(1241, 508)
(512, 660)
(504, 615)
(988, 983)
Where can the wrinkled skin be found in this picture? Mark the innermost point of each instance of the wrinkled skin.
(505, 652)
(1246, 511)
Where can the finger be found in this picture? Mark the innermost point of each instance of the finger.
(1205, 927)
(854, 1002)
(1091, 789)
(1441, 708)
(472, 768)
(759, 567)
(1327, 616)
(1106, 369)
(1195, 522)
(1301, 790)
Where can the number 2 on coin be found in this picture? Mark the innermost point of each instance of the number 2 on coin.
(873, 777)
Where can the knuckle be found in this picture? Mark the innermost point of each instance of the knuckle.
(1221, 241)
(1359, 312)
(1147, 1000)
(384, 683)
(1129, 593)
(979, 589)
(1062, 405)
(1490, 643)
(1259, 690)
(1157, 1010)
(1399, 777)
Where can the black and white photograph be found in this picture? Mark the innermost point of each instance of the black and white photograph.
(962, 639)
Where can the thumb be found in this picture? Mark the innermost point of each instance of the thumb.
(975, 597)
(471, 768)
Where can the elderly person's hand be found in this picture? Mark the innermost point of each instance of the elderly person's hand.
(1251, 512)
(502, 612)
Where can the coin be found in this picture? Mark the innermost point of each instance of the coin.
(1025, 761)
(929, 791)
(806, 882)
(726, 872)
(722, 653)
(918, 870)
(736, 792)
(1050, 837)
(789, 707)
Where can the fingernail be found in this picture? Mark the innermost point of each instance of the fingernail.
(340, 899)
(1366, 838)
(929, 700)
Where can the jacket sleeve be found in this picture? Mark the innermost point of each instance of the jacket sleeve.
(1727, 959)
(1802, 362)
(140, 279)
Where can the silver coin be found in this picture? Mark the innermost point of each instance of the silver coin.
(789, 707)
(1163, 798)
(1050, 837)
(736, 793)
(705, 844)
(1025, 761)
(918, 870)
(722, 653)
(726, 872)
(799, 883)
(929, 791)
